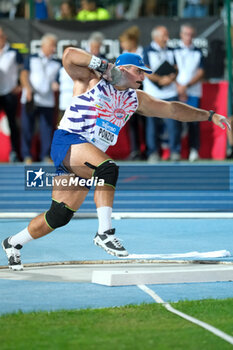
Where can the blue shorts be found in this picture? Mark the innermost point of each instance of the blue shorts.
(62, 140)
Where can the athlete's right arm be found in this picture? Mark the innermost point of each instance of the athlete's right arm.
(81, 65)
(75, 62)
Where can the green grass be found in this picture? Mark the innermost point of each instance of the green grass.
(144, 327)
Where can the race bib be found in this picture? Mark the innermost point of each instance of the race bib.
(106, 132)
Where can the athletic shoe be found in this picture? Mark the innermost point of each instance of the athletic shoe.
(175, 157)
(110, 243)
(13, 158)
(27, 160)
(230, 153)
(134, 155)
(193, 155)
(153, 158)
(13, 255)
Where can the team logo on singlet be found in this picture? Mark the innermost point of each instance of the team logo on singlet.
(99, 114)
(119, 113)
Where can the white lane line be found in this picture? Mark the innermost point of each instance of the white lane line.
(202, 324)
(197, 255)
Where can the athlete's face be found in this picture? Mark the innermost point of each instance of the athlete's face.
(134, 76)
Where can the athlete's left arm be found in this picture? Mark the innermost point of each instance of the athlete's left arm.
(152, 107)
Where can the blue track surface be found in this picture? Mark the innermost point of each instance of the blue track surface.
(148, 236)
(141, 188)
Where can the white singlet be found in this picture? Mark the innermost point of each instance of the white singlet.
(100, 113)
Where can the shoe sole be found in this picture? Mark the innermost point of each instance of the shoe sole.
(16, 267)
(12, 267)
(109, 251)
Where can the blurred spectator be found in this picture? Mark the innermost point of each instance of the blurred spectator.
(5, 8)
(8, 8)
(129, 42)
(152, 8)
(149, 8)
(67, 10)
(10, 64)
(66, 85)
(42, 9)
(38, 80)
(161, 84)
(91, 12)
(119, 10)
(95, 43)
(196, 8)
(190, 65)
(133, 10)
(145, 8)
(20, 9)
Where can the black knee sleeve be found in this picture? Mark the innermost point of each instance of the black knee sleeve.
(58, 215)
(108, 171)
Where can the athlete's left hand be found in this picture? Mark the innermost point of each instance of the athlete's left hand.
(220, 120)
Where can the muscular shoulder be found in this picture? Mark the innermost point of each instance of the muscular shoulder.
(142, 100)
